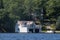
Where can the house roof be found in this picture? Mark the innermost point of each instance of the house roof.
(25, 22)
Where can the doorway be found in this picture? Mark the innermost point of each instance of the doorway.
(30, 30)
(36, 30)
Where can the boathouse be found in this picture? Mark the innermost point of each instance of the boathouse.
(27, 27)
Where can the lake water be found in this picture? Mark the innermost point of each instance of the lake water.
(30, 36)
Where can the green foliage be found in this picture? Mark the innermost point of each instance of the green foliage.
(22, 10)
(58, 24)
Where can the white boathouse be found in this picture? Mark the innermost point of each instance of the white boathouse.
(27, 27)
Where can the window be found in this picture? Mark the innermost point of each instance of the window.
(24, 25)
(18, 29)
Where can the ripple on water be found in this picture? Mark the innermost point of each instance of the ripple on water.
(19, 36)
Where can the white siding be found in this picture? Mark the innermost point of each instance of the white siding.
(23, 29)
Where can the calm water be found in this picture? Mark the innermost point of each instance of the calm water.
(21, 36)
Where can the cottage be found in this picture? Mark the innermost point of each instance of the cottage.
(27, 27)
